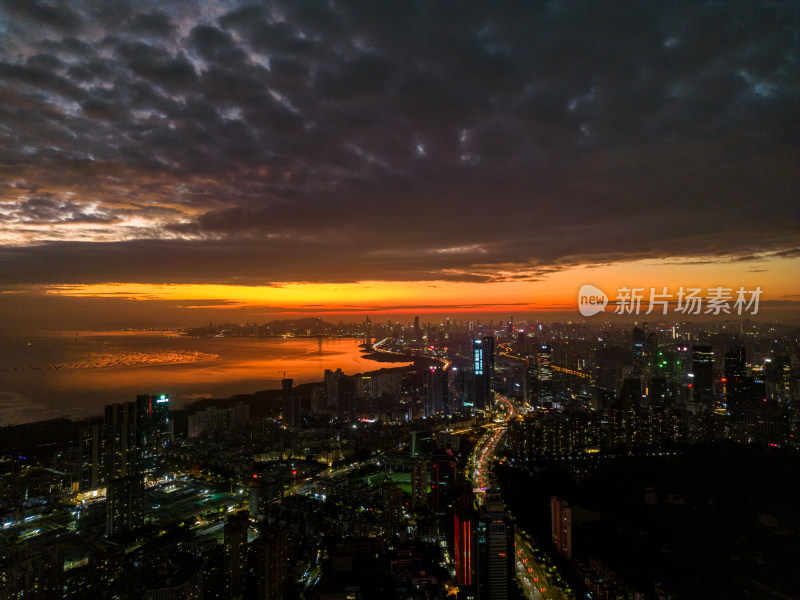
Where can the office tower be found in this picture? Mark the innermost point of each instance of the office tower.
(235, 541)
(419, 482)
(495, 540)
(561, 526)
(368, 328)
(93, 456)
(271, 563)
(465, 546)
(736, 384)
(417, 331)
(435, 391)
(291, 412)
(703, 371)
(545, 359)
(392, 508)
(125, 505)
(152, 421)
(483, 368)
(346, 399)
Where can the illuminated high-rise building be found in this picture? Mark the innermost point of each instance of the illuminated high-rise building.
(561, 526)
(332, 386)
(271, 554)
(443, 480)
(419, 482)
(345, 399)
(638, 336)
(443, 491)
(152, 422)
(124, 505)
(92, 441)
(495, 542)
(435, 391)
(703, 372)
(465, 547)
(483, 369)
(736, 384)
(392, 507)
(545, 360)
(235, 543)
(265, 493)
(121, 441)
(291, 412)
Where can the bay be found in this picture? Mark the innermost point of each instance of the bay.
(77, 374)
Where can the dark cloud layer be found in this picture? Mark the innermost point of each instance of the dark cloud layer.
(342, 141)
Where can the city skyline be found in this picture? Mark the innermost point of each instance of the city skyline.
(171, 164)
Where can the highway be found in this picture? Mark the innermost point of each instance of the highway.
(533, 576)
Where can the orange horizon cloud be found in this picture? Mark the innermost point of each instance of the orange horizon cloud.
(556, 292)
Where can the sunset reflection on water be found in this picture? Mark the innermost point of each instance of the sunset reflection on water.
(77, 375)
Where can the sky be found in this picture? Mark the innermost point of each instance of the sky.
(170, 163)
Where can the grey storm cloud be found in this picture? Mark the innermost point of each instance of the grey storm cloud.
(342, 141)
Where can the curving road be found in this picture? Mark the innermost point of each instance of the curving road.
(533, 576)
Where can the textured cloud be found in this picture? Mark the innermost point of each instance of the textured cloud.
(309, 141)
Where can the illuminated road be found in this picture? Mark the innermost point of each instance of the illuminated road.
(533, 576)
(485, 451)
(307, 486)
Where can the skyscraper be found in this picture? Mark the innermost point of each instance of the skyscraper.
(152, 422)
(265, 493)
(443, 480)
(435, 391)
(332, 385)
(271, 563)
(124, 505)
(291, 413)
(483, 369)
(392, 507)
(419, 482)
(495, 541)
(121, 443)
(93, 457)
(703, 371)
(465, 546)
(561, 526)
(545, 358)
(235, 540)
(345, 399)
(735, 379)
(638, 349)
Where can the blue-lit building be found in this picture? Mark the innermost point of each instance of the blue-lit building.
(483, 369)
